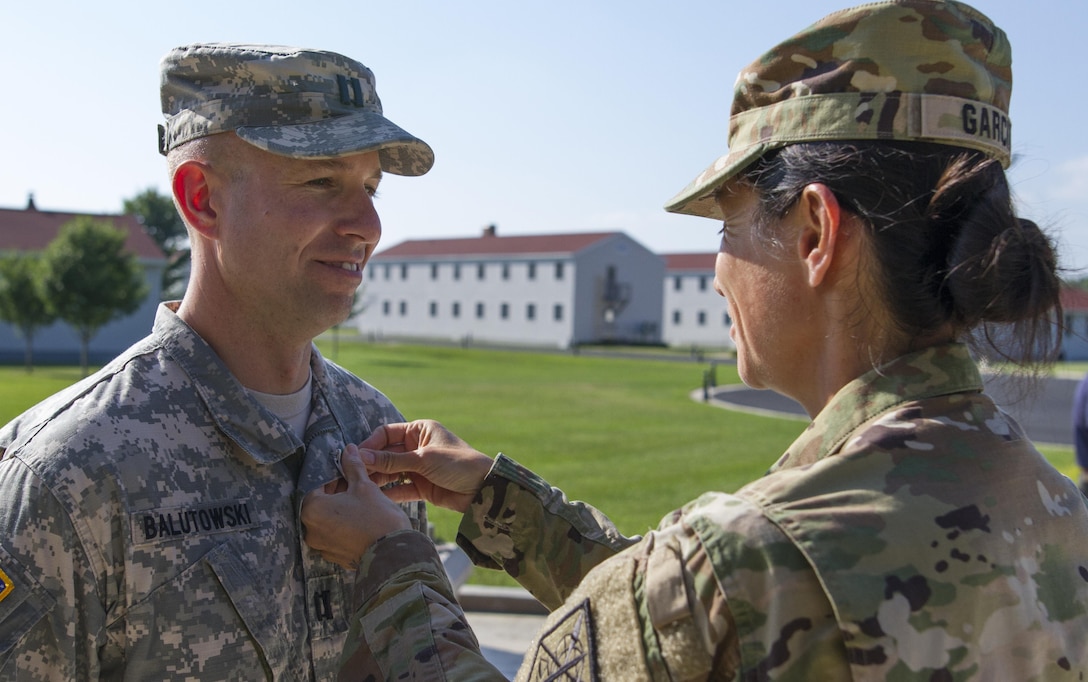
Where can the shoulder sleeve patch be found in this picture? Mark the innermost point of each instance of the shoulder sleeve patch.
(565, 650)
(23, 602)
(7, 586)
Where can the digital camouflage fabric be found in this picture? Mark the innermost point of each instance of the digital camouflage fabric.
(295, 102)
(149, 523)
(901, 70)
(910, 533)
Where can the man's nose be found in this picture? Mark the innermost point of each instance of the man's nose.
(361, 219)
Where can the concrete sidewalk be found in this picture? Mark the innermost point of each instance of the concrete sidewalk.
(504, 637)
(505, 619)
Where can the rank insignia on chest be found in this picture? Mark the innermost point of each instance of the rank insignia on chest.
(7, 586)
(566, 651)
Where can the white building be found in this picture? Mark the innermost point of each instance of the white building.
(540, 290)
(694, 314)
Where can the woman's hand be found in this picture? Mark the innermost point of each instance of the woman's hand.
(425, 461)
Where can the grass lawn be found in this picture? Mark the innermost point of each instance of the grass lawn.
(622, 434)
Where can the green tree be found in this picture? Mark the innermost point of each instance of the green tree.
(22, 301)
(160, 218)
(89, 278)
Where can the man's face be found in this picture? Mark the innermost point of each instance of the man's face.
(294, 236)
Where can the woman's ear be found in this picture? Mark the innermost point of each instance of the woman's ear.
(820, 236)
(192, 194)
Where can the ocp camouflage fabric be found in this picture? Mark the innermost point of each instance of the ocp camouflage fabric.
(149, 523)
(913, 70)
(910, 533)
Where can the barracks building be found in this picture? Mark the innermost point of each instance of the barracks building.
(555, 290)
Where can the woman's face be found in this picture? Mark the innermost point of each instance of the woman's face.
(762, 284)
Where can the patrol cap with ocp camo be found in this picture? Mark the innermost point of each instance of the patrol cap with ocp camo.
(296, 102)
(922, 70)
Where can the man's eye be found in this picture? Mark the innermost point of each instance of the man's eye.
(320, 182)
(372, 191)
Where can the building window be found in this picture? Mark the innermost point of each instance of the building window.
(370, 272)
(557, 312)
(559, 270)
(456, 309)
(403, 308)
(480, 271)
(387, 269)
(506, 271)
(385, 308)
(532, 270)
(676, 317)
(676, 283)
(530, 311)
(434, 309)
(434, 270)
(504, 311)
(404, 271)
(702, 283)
(479, 311)
(457, 271)
(701, 318)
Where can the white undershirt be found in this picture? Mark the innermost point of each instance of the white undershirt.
(292, 408)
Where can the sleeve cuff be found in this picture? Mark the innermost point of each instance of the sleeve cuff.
(487, 510)
(401, 553)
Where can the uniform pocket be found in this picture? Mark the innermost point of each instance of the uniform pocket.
(213, 620)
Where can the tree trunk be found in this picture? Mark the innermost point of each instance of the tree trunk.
(29, 353)
(84, 342)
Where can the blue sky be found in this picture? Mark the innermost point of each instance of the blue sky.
(565, 116)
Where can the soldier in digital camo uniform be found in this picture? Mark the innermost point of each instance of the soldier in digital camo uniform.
(149, 515)
(911, 532)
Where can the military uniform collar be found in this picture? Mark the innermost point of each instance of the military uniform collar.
(235, 412)
(935, 371)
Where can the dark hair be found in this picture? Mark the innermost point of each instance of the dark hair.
(946, 242)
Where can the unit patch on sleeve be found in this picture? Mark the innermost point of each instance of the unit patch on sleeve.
(7, 586)
(565, 653)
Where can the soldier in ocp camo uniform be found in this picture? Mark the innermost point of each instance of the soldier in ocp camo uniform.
(911, 532)
(149, 515)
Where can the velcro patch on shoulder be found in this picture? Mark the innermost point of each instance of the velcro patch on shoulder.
(566, 650)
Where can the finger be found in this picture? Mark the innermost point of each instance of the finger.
(387, 462)
(405, 492)
(354, 468)
(384, 436)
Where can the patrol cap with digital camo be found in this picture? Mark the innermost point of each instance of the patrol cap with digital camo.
(922, 70)
(302, 103)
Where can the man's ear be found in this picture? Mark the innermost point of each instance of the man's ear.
(820, 236)
(192, 194)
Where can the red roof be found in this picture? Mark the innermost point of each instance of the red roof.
(1074, 299)
(491, 245)
(32, 230)
(689, 261)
